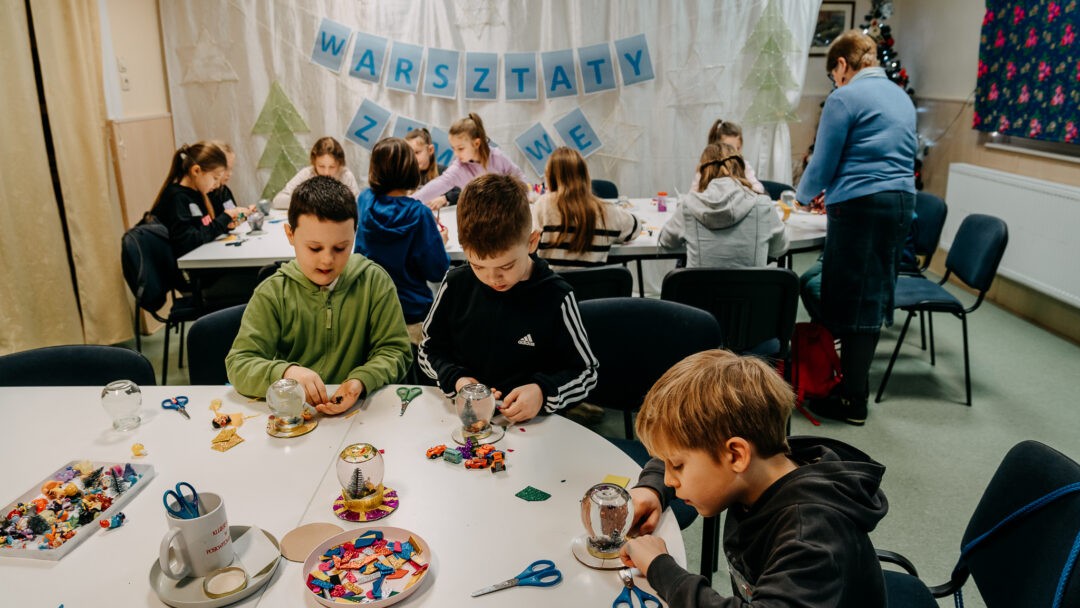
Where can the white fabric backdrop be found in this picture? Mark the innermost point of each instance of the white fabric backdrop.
(222, 57)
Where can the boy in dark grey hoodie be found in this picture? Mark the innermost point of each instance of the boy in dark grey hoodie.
(799, 517)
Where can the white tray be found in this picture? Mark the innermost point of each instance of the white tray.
(145, 472)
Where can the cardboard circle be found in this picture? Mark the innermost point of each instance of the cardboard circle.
(298, 543)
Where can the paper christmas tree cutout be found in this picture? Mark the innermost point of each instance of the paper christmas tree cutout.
(205, 62)
(770, 78)
(284, 155)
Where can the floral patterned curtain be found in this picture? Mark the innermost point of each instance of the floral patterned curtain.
(1029, 70)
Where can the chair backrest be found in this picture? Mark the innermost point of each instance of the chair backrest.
(636, 340)
(209, 340)
(1021, 563)
(602, 188)
(773, 189)
(930, 213)
(149, 265)
(755, 307)
(977, 249)
(268, 271)
(75, 365)
(604, 282)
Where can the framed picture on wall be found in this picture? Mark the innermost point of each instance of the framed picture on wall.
(833, 19)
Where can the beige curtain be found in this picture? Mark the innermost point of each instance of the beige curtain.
(37, 300)
(40, 286)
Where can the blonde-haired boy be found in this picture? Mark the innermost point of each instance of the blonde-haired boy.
(799, 509)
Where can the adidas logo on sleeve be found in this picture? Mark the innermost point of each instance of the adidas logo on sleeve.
(526, 340)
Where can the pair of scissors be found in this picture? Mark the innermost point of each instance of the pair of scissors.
(407, 394)
(177, 403)
(626, 596)
(183, 506)
(541, 573)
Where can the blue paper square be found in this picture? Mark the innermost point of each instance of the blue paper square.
(537, 146)
(403, 71)
(441, 73)
(560, 78)
(369, 53)
(519, 76)
(577, 133)
(444, 154)
(597, 69)
(331, 42)
(482, 76)
(634, 61)
(403, 125)
(368, 124)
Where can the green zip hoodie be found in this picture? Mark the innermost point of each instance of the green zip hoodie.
(356, 330)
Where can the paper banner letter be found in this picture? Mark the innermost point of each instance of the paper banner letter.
(444, 154)
(404, 69)
(537, 146)
(330, 43)
(575, 130)
(482, 76)
(441, 74)
(519, 76)
(597, 73)
(403, 125)
(367, 57)
(368, 124)
(560, 79)
(634, 61)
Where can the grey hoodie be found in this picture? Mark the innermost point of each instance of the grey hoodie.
(726, 226)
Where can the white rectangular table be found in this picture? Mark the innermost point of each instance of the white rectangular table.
(478, 531)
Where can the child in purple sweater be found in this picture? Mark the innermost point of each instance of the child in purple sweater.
(473, 157)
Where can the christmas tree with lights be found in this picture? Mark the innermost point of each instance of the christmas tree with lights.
(876, 28)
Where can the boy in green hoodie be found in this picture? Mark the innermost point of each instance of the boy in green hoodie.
(327, 317)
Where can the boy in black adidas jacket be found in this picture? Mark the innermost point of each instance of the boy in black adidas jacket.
(506, 320)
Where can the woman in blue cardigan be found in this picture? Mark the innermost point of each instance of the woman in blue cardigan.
(864, 161)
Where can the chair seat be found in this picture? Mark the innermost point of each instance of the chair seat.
(926, 294)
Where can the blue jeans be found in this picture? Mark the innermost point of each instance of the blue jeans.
(864, 241)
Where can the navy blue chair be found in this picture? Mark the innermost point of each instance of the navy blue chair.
(773, 189)
(930, 214)
(152, 275)
(973, 258)
(1020, 543)
(602, 188)
(603, 282)
(209, 340)
(75, 365)
(636, 340)
(755, 307)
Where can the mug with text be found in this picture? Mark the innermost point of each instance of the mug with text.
(198, 546)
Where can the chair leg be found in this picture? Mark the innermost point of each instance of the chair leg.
(709, 535)
(135, 327)
(922, 330)
(967, 365)
(628, 423)
(180, 363)
(165, 358)
(930, 323)
(640, 279)
(896, 352)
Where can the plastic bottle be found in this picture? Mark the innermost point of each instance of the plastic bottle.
(661, 201)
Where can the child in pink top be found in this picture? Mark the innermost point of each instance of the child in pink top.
(473, 157)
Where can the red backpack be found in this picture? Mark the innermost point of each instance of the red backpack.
(815, 364)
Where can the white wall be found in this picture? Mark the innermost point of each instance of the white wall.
(136, 42)
(938, 43)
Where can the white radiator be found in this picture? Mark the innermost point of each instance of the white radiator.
(1044, 225)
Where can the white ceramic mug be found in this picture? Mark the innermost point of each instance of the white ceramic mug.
(197, 547)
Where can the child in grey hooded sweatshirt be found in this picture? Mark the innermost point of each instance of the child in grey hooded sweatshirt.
(725, 224)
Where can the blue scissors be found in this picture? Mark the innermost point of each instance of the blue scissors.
(177, 403)
(183, 506)
(541, 573)
(645, 599)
